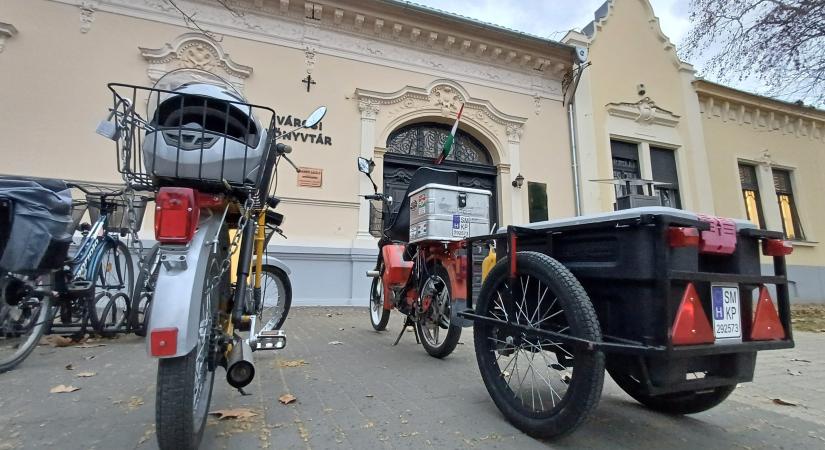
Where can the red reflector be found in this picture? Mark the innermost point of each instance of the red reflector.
(164, 341)
(691, 326)
(776, 247)
(176, 215)
(766, 324)
(683, 237)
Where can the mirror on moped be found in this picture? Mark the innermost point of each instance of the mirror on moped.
(315, 117)
(365, 165)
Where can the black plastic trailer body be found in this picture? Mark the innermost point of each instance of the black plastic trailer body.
(637, 279)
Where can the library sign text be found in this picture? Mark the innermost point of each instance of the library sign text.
(313, 135)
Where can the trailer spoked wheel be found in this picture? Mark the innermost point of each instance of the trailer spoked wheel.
(543, 387)
(687, 402)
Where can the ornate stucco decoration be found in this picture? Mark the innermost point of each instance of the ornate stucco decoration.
(7, 30)
(87, 15)
(441, 99)
(310, 58)
(373, 33)
(198, 51)
(644, 111)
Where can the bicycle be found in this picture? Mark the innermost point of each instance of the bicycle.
(88, 291)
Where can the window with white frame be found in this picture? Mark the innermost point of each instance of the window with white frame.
(750, 194)
(787, 206)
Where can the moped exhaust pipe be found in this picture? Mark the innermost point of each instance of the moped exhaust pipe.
(373, 273)
(240, 368)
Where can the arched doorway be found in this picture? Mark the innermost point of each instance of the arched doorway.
(418, 144)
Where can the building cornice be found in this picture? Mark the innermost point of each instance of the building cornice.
(376, 32)
(719, 102)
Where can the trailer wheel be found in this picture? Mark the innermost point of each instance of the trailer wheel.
(677, 403)
(544, 388)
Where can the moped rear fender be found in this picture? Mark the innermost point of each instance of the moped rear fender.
(179, 287)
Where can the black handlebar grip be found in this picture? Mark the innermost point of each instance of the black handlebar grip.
(283, 148)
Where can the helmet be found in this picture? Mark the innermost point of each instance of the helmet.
(201, 128)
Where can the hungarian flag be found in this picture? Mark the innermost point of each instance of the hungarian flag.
(448, 144)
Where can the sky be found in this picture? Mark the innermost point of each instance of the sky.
(552, 18)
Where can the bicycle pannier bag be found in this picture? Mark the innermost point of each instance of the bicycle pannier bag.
(35, 225)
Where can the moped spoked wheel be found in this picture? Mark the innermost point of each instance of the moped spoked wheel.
(378, 315)
(184, 385)
(438, 336)
(544, 387)
(276, 298)
(21, 327)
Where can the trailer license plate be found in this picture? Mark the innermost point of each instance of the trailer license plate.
(727, 312)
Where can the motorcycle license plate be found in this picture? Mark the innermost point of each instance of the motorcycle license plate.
(727, 312)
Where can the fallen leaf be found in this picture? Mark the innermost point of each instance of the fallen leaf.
(236, 413)
(69, 367)
(287, 399)
(779, 401)
(800, 360)
(90, 345)
(335, 343)
(293, 363)
(85, 374)
(90, 357)
(329, 315)
(135, 402)
(63, 389)
(56, 341)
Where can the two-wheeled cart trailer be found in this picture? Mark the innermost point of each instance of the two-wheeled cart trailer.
(673, 304)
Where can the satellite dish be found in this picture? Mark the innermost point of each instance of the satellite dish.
(581, 54)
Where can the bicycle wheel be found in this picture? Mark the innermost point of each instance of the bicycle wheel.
(276, 298)
(543, 387)
(144, 292)
(22, 323)
(113, 274)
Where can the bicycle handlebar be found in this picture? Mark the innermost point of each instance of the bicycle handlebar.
(100, 194)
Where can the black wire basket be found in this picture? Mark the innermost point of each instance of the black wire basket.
(377, 213)
(213, 143)
(118, 208)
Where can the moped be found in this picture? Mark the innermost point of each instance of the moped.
(209, 161)
(421, 271)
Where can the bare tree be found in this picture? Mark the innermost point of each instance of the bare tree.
(778, 42)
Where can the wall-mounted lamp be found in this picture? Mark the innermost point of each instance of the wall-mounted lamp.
(518, 182)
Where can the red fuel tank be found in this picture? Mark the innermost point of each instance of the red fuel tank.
(396, 270)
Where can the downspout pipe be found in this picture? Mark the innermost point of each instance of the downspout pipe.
(574, 156)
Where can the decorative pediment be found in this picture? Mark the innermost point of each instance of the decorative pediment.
(644, 111)
(7, 30)
(441, 98)
(195, 51)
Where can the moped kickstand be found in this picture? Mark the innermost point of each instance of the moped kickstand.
(407, 322)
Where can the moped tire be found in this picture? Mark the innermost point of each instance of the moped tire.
(445, 347)
(547, 296)
(180, 417)
(677, 403)
(378, 315)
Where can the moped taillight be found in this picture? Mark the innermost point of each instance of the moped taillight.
(176, 215)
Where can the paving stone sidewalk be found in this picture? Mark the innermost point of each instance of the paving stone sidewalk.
(364, 393)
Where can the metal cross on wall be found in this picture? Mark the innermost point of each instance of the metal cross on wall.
(308, 81)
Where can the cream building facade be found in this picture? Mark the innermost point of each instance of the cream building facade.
(392, 75)
(641, 112)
